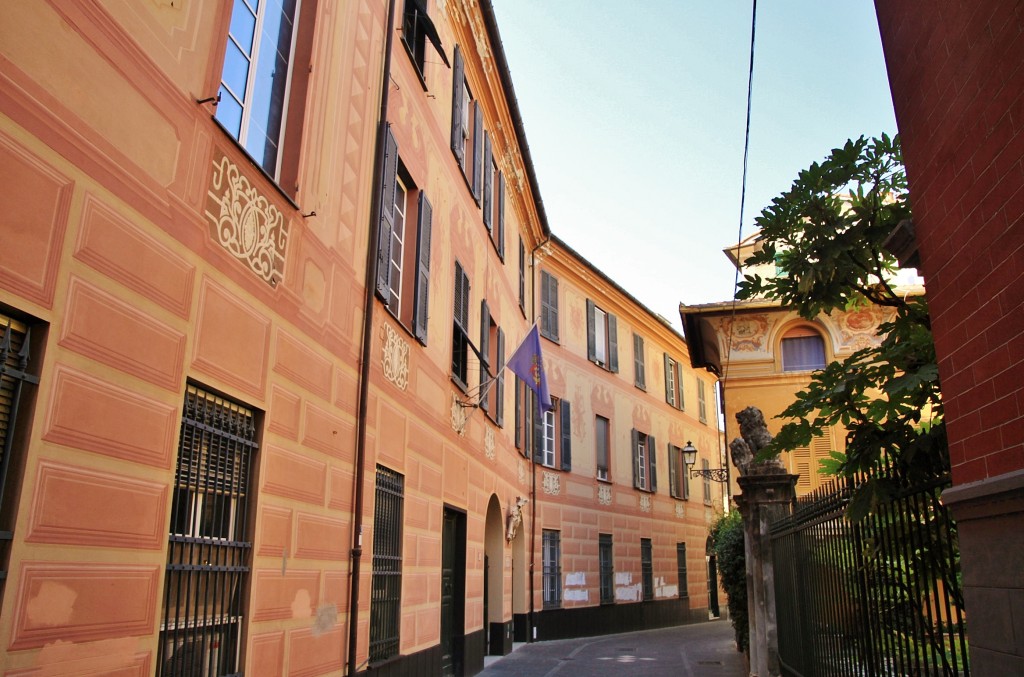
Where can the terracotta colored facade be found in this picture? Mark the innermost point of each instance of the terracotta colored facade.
(958, 89)
(152, 272)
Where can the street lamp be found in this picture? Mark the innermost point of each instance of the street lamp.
(713, 474)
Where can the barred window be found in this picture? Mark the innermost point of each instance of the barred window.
(208, 556)
(647, 568)
(386, 587)
(681, 566)
(607, 570)
(552, 560)
(15, 371)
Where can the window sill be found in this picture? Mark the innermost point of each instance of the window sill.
(553, 339)
(270, 179)
(459, 384)
(604, 480)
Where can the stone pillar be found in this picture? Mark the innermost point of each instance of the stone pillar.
(766, 491)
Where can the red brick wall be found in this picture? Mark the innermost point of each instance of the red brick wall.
(956, 70)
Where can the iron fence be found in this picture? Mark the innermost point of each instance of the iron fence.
(881, 596)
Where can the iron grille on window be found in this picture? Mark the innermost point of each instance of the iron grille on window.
(681, 564)
(14, 365)
(552, 558)
(208, 556)
(647, 568)
(386, 595)
(605, 563)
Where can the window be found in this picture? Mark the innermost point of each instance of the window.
(386, 579)
(674, 383)
(467, 128)
(681, 567)
(460, 328)
(526, 415)
(678, 473)
(494, 199)
(702, 402)
(263, 84)
(492, 366)
(602, 338)
(417, 28)
(647, 568)
(603, 451)
(17, 362)
(639, 372)
(606, 568)
(707, 480)
(522, 276)
(644, 467)
(210, 540)
(551, 554)
(548, 305)
(403, 252)
(555, 447)
(802, 350)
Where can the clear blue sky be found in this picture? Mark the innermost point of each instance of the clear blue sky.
(635, 114)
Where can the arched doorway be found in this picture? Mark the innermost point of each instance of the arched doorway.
(709, 554)
(494, 581)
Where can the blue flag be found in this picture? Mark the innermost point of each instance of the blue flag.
(528, 364)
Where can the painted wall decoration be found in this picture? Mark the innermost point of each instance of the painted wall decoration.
(604, 494)
(857, 328)
(245, 222)
(552, 483)
(748, 333)
(395, 358)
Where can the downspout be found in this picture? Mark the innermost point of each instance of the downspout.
(364, 361)
(531, 635)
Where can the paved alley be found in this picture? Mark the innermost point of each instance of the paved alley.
(699, 650)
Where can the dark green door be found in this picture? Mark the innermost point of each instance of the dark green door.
(448, 601)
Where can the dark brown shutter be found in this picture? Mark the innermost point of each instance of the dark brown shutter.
(501, 216)
(485, 352)
(478, 151)
(522, 272)
(422, 292)
(519, 412)
(591, 335)
(538, 429)
(488, 183)
(387, 216)
(613, 344)
(459, 75)
(679, 386)
(639, 374)
(566, 433)
(549, 305)
(652, 453)
(634, 439)
(673, 474)
(500, 385)
(670, 395)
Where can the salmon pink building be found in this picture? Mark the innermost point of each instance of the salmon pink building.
(261, 267)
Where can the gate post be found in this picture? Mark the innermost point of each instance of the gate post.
(767, 492)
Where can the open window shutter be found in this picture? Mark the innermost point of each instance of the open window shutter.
(499, 400)
(591, 337)
(501, 216)
(387, 216)
(673, 473)
(566, 430)
(488, 183)
(459, 74)
(634, 439)
(522, 266)
(670, 395)
(478, 151)
(519, 412)
(679, 385)
(613, 344)
(686, 483)
(485, 352)
(639, 378)
(538, 429)
(422, 300)
(652, 450)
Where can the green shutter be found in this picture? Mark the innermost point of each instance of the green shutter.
(591, 335)
(387, 216)
(422, 292)
(566, 431)
(613, 344)
(459, 74)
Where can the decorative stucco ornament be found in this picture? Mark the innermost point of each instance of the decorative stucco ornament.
(395, 358)
(552, 483)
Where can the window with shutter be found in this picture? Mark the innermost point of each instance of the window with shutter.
(556, 436)
(417, 30)
(492, 366)
(602, 338)
(522, 276)
(460, 328)
(644, 463)
(674, 383)
(603, 451)
(639, 371)
(702, 404)
(549, 305)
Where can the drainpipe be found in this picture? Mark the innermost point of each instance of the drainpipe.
(364, 366)
(533, 466)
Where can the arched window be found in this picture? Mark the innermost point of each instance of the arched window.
(802, 350)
